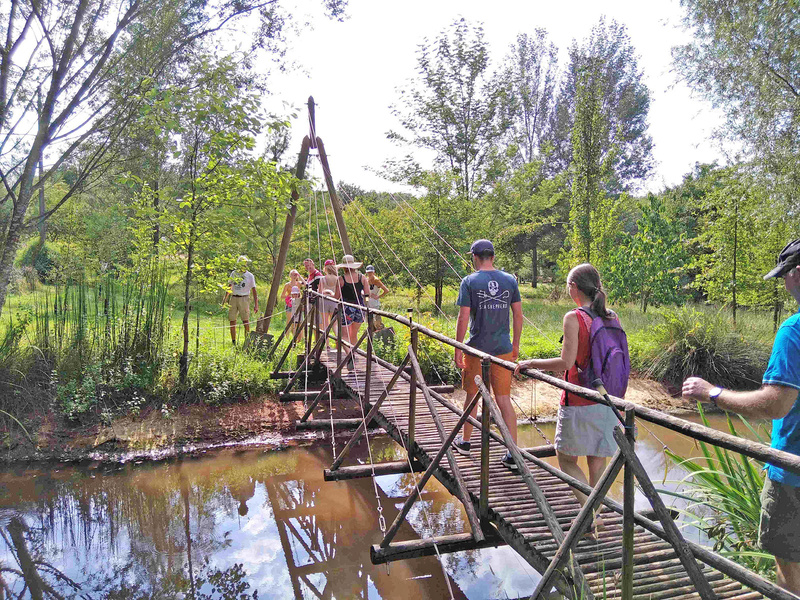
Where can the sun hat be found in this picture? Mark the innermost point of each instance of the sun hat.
(370, 269)
(329, 262)
(788, 258)
(294, 272)
(479, 246)
(243, 258)
(295, 289)
(348, 262)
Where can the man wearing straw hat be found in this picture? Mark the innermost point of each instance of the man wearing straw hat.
(777, 399)
(242, 286)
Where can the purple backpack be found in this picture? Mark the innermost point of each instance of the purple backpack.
(609, 359)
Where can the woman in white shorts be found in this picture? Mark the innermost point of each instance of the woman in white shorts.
(584, 428)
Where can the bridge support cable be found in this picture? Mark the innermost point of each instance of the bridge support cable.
(536, 492)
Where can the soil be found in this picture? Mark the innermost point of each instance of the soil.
(263, 421)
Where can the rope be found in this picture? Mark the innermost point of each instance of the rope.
(425, 512)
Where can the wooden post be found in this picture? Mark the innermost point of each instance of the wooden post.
(578, 526)
(363, 426)
(291, 345)
(486, 423)
(337, 207)
(412, 399)
(671, 531)
(463, 492)
(368, 376)
(390, 533)
(280, 264)
(628, 496)
(536, 492)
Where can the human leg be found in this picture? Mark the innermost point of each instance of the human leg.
(233, 313)
(472, 368)
(569, 464)
(501, 388)
(788, 575)
(233, 331)
(597, 465)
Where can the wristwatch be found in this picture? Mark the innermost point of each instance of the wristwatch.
(714, 393)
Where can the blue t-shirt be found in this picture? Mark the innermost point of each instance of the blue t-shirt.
(489, 295)
(784, 369)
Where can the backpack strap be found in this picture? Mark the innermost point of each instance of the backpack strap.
(588, 311)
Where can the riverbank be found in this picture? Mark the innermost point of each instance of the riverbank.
(261, 422)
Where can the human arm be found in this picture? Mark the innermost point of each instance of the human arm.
(383, 287)
(768, 402)
(569, 350)
(461, 330)
(516, 313)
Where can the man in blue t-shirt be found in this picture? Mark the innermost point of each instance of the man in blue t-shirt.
(777, 399)
(486, 298)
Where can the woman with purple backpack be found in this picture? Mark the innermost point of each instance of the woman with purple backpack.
(594, 347)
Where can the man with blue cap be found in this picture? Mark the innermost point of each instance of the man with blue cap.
(487, 297)
(776, 399)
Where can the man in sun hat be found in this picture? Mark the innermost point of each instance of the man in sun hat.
(486, 298)
(243, 284)
(777, 399)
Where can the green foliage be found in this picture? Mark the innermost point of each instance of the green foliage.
(646, 267)
(45, 259)
(723, 491)
(221, 375)
(693, 343)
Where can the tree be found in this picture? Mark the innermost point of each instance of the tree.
(91, 62)
(606, 65)
(452, 108)
(745, 58)
(611, 149)
(211, 124)
(531, 75)
(647, 269)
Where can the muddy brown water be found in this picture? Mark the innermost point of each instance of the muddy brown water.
(232, 522)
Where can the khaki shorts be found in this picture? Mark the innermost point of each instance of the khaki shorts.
(779, 530)
(239, 306)
(500, 377)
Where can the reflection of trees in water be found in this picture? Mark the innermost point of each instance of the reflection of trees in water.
(133, 531)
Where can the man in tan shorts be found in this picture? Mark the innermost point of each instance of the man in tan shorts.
(243, 284)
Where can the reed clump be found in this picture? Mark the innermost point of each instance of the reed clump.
(690, 343)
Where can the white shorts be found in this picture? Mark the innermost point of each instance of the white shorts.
(586, 430)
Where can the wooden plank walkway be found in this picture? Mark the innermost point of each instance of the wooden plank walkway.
(659, 574)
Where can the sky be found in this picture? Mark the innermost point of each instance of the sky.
(354, 68)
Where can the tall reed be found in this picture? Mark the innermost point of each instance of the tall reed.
(723, 491)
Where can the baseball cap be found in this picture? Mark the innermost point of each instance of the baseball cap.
(329, 262)
(787, 260)
(295, 289)
(370, 269)
(479, 246)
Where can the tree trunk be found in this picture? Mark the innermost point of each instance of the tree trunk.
(26, 563)
(535, 262)
(157, 226)
(735, 255)
(183, 370)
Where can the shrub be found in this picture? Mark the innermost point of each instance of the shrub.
(45, 259)
(219, 375)
(693, 343)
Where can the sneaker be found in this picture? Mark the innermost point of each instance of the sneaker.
(508, 462)
(461, 446)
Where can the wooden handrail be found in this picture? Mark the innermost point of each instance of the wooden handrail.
(755, 450)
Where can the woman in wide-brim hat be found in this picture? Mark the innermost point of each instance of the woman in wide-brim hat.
(352, 285)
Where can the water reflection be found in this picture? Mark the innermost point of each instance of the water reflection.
(233, 522)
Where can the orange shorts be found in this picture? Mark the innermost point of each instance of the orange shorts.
(500, 376)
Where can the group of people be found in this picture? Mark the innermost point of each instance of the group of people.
(352, 290)
(489, 298)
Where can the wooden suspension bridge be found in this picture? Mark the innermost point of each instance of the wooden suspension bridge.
(532, 510)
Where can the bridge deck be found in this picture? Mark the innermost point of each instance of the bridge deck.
(659, 573)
